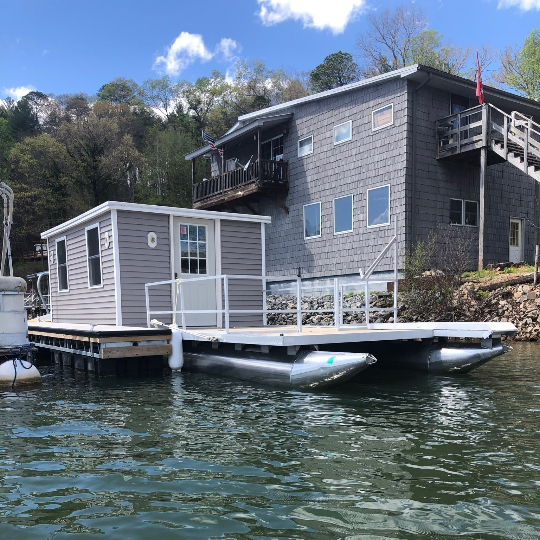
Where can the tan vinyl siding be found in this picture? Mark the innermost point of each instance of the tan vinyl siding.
(141, 264)
(82, 304)
(241, 254)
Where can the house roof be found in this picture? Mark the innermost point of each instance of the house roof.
(150, 209)
(416, 73)
(240, 131)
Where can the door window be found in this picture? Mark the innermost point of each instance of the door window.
(193, 249)
(514, 233)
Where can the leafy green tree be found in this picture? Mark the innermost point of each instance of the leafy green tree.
(167, 176)
(104, 160)
(520, 68)
(204, 97)
(44, 194)
(162, 95)
(6, 144)
(21, 117)
(120, 90)
(428, 49)
(338, 69)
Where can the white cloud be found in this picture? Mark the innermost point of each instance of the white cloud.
(188, 48)
(524, 5)
(320, 14)
(18, 92)
(228, 47)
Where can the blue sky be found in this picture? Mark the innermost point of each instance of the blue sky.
(61, 46)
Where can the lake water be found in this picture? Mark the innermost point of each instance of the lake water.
(391, 455)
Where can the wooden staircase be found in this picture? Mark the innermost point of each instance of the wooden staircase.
(517, 140)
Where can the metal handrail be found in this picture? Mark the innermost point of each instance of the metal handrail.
(337, 310)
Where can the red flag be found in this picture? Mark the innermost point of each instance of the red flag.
(479, 87)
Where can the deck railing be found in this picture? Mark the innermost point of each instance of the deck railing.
(272, 174)
(459, 132)
(479, 126)
(178, 299)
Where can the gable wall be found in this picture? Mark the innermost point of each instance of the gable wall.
(81, 304)
(370, 159)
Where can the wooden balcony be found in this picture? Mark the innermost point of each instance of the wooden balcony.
(270, 178)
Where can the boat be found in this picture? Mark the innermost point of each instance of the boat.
(14, 344)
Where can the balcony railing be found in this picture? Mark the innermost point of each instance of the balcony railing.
(273, 174)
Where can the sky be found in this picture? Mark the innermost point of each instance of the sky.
(61, 47)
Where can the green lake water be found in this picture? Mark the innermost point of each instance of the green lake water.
(390, 455)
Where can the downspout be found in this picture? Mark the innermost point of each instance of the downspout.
(413, 163)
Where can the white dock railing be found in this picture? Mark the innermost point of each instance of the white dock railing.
(178, 297)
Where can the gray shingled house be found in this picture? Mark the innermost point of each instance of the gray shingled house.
(335, 169)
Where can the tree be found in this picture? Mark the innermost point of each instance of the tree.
(21, 117)
(386, 45)
(167, 176)
(104, 160)
(160, 94)
(427, 49)
(337, 70)
(205, 97)
(120, 90)
(43, 187)
(6, 143)
(520, 68)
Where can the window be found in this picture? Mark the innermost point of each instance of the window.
(61, 260)
(273, 149)
(463, 212)
(93, 252)
(471, 213)
(343, 132)
(343, 214)
(382, 117)
(458, 103)
(378, 206)
(312, 220)
(456, 212)
(305, 146)
(193, 249)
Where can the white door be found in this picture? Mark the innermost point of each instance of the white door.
(516, 248)
(195, 257)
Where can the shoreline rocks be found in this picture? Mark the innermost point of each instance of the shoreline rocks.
(518, 304)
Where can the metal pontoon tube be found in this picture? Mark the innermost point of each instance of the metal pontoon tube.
(308, 370)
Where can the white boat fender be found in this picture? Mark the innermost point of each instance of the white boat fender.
(176, 359)
(19, 370)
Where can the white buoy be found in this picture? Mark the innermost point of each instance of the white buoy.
(176, 359)
(19, 371)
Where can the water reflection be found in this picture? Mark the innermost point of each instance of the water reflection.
(391, 455)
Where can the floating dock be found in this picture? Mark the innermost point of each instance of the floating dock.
(246, 353)
(103, 349)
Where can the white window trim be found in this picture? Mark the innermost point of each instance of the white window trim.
(463, 224)
(367, 207)
(187, 224)
(272, 138)
(94, 226)
(391, 123)
(312, 147)
(344, 140)
(304, 221)
(58, 266)
(352, 215)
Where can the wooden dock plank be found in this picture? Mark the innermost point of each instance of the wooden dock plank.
(133, 352)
